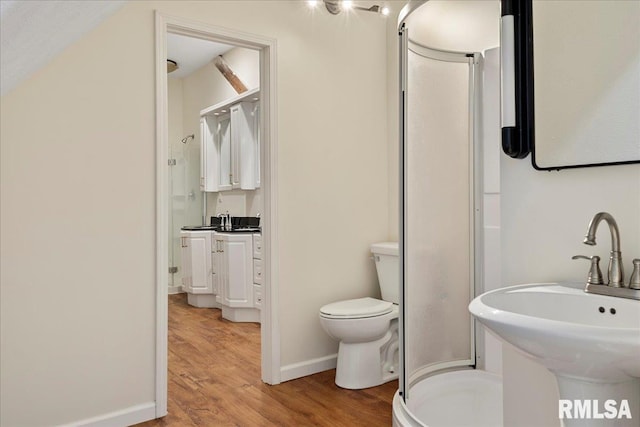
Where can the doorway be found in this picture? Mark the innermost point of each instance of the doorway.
(270, 340)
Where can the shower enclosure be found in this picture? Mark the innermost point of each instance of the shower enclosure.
(185, 199)
(441, 240)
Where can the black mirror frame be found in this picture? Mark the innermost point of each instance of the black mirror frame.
(519, 140)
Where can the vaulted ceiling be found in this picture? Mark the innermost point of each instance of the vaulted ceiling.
(33, 32)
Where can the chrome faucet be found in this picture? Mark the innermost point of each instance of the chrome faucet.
(616, 286)
(615, 270)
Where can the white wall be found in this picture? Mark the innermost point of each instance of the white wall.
(78, 200)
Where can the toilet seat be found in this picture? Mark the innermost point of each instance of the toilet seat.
(356, 308)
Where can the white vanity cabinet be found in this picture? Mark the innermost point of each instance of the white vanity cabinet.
(196, 265)
(230, 142)
(234, 269)
(220, 270)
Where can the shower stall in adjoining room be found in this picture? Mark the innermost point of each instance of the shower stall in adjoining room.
(442, 72)
(185, 197)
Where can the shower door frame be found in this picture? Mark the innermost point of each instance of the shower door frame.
(475, 200)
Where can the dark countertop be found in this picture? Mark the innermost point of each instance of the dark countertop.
(219, 229)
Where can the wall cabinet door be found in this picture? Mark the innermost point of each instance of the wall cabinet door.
(223, 145)
(216, 153)
(236, 270)
(230, 142)
(196, 262)
(243, 142)
(208, 156)
(256, 141)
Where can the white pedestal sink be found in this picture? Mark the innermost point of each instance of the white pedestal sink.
(590, 342)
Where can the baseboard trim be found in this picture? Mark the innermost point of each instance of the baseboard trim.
(308, 367)
(174, 290)
(125, 417)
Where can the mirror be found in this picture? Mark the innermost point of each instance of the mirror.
(583, 108)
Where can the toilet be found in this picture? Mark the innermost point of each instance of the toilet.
(367, 328)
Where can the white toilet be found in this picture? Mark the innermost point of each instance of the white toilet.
(367, 328)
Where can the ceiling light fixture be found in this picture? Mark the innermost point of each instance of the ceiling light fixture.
(171, 65)
(336, 6)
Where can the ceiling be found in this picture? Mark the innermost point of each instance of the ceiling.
(191, 53)
(33, 32)
(460, 25)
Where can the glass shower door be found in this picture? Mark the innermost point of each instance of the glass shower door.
(185, 199)
(438, 211)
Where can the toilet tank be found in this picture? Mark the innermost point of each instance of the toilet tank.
(388, 268)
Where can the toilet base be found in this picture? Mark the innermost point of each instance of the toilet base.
(368, 364)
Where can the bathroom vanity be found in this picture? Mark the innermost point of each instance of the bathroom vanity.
(223, 270)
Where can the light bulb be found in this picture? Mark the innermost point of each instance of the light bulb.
(385, 11)
(347, 4)
(312, 3)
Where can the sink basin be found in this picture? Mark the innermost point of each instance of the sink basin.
(570, 332)
(590, 342)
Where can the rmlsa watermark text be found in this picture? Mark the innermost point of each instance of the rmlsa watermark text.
(593, 409)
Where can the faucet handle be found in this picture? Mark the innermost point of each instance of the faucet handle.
(634, 282)
(595, 275)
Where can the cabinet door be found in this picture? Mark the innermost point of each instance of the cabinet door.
(257, 246)
(223, 138)
(256, 141)
(243, 145)
(238, 270)
(186, 261)
(216, 271)
(208, 156)
(236, 130)
(198, 262)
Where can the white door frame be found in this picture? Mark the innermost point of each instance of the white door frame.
(270, 332)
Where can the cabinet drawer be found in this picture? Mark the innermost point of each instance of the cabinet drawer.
(257, 271)
(257, 246)
(257, 296)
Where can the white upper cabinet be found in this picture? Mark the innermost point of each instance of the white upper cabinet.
(256, 133)
(208, 156)
(230, 141)
(223, 159)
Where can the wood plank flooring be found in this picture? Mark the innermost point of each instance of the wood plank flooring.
(214, 380)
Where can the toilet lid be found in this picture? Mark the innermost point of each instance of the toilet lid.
(361, 307)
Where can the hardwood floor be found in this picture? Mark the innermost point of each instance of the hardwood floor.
(214, 380)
